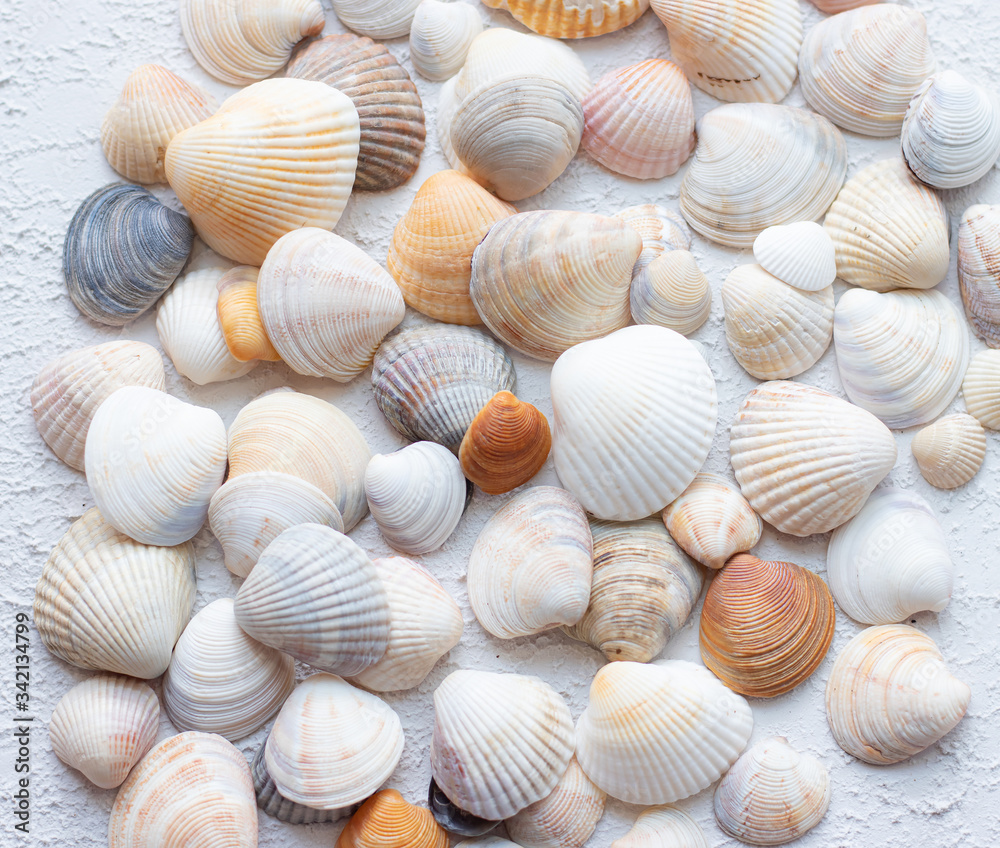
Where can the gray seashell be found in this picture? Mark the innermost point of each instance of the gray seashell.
(274, 804)
(123, 250)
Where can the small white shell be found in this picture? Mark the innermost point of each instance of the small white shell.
(979, 270)
(565, 818)
(981, 388)
(663, 827)
(800, 254)
(440, 37)
(672, 292)
(950, 451)
(379, 19)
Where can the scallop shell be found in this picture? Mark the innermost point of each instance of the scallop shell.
(531, 566)
(245, 177)
(431, 381)
(860, 68)
(377, 18)
(104, 726)
(981, 388)
(950, 451)
(800, 167)
(440, 37)
(643, 590)
(662, 230)
(152, 108)
(711, 521)
(663, 827)
(501, 741)
(806, 460)
(122, 251)
(276, 805)
(672, 292)
(565, 818)
(800, 254)
(239, 316)
(656, 733)
(386, 820)
(569, 19)
(314, 594)
(773, 794)
(979, 270)
(890, 695)
(634, 414)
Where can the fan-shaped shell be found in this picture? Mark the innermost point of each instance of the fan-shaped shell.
(440, 37)
(979, 270)
(663, 827)
(800, 254)
(662, 230)
(565, 818)
(890, 695)
(950, 451)
(245, 177)
(377, 18)
(799, 166)
(104, 726)
(672, 292)
(981, 388)
(239, 316)
(274, 804)
(568, 19)
(387, 820)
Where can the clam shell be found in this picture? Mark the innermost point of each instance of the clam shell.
(662, 230)
(672, 292)
(531, 566)
(386, 820)
(276, 805)
(239, 316)
(565, 818)
(663, 827)
(377, 18)
(890, 695)
(122, 251)
(440, 37)
(981, 388)
(950, 451)
(568, 19)
(979, 270)
(806, 460)
(800, 254)
(447, 104)
(104, 726)
(453, 819)
(107, 603)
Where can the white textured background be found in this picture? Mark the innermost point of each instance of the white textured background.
(62, 63)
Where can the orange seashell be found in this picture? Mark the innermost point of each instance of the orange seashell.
(571, 19)
(239, 317)
(387, 820)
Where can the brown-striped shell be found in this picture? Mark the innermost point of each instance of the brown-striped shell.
(239, 316)
(388, 820)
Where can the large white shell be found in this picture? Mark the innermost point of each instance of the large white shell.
(979, 270)
(950, 451)
(663, 827)
(565, 818)
(800, 254)
(379, 19)
(981, 388)
(440, 37)
(672, 292)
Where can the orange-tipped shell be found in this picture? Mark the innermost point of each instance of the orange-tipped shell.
(239, 317)
(387, 820)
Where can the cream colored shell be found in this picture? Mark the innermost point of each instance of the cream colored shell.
(981, 388)
(440, 37)
(950, 451)
(379, 19)
(663, 827)
(979, 270)
(672, 292)
(662, 231)
(800, 254)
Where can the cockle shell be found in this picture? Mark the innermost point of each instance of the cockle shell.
(890, 695)
(658, 732)
(240, 42)
(326, 306)
(440, 37)
(981, 388)
(672, 292)
(501, 741)
(979, 270)
(276, 805)
(805, 459)
(799, 167)
(153, 107)
(386, 820)
(222, 681)
(245, 177)
(239, 316)
(381, 19)
(773, 794)
(569, 19)
(662, 230)
(104, 726)
(643, 590)
(634, 418)
(123, 249)
(800, 254)
(107, 603)
(950, 451)
(531, 566)
(860, 68)
(663, 827)
(565, 818)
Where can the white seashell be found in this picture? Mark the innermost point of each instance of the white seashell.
(902, 354)
(447, 105)
(662, 230)
(800, 254)
(979, 270)
(981, 388)
(104, 726)
(379, 19)
(272, 803)
(568, 19)
(663, 827)
(656, 733)
(890, 696)
(222, 681)
(440, 37)
(672, 292)
(565, 818)
(531, 566)
(635, 414)
(950, 451)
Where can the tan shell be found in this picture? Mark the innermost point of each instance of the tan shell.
(979, 270)
(239, 317)
(950, 451)
(386, 820)
(569, 19)
(981, 388)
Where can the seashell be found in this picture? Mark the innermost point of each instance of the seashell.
(735, 51)
(246, 179)
(979, 270)
(860, 69)
(663, 827)
(104, 726)
(643, 590)
(487, 842)
(658, 732)
(711, 521)
(239, 42)
(889, 231)
(950, 451)
(389, 107)
(431, 381)
(567, 19)
(806, 460)
(531, 566)
(314, 594)
(447, 104)
(773, 794)
(153, 463)
(326, 306)
(424, 624)
(981, 388)
(107, 603)
(800, 168)
(672, 292)
(635, 415)
(239, 316)
(332, 745)
(891, 560)
(276, 805)
(565, 818)
(639, 120)
(153, 107)
(191, 790)
(69, 390)
(377, 18)
(833, 7)
(440, 37)
(775, 331)
(890, 695)
(386, 820)
(545, 281)
(500, 743)
(765, 626)
(222, 681)
(662, 230)
(453, 819)
(122, 251)
(430, 255)
(800, 254)
(297, 434)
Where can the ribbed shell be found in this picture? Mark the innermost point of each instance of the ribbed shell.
(979, 270)
(565, 818)
(239, 316)
(377, 18)
(981, 388)
(387, 820)
(568, 19)
(440, 37)
(274, 804)
(832, 7)
(447, 104)
(663, 827)
(800, 254)
(672, 292)
(662, 230)
(452, 818)
(950, 451)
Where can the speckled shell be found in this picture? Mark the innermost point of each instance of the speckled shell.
(890, 695)
(377, 18)
(663, 827)
(245, 177)
(672, 292)
(386, 820)
(800, 254)
(122, 251)
(104, 726)
(799, 168)
(820, 478)
(979, 270)
(950, 451)
(568, 19)
(239, 316)
(440, 37)
(274, 804)
(662, 230)
(565, 818)
(981, 388)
